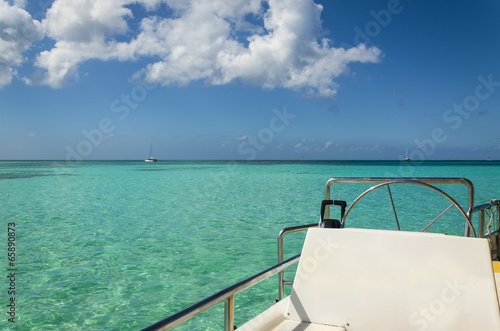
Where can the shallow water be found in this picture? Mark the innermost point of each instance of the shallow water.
(117, 245)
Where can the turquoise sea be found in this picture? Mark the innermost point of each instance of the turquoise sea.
(119, 245)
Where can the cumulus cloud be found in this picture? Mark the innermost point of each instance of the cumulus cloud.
(273, 43)
(83, 30)
(304, 144)
(17, 32)
(89, 29)
(286, 54)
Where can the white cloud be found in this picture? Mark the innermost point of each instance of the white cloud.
(17, 32)
(304, 144)
(244, 137)
(83, 30)
(287, 54)
(274, 43)
(328, 144)
(84, 21)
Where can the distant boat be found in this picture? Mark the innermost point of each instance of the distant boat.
(489, 158)
(406, 156)
(151, 158)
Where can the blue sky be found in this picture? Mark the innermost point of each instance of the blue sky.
(245, 80)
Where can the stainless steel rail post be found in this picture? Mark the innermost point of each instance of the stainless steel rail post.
(280, 253)
(229, 314)
(481, 223)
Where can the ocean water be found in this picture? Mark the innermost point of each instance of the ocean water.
(117, 245)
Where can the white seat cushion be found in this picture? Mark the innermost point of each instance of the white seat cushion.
(368, 280)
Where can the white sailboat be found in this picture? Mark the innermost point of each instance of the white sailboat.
(406, 156)
(151, 158)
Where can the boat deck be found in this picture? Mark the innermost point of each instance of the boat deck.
(364, 279)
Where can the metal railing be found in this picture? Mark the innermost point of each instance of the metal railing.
(388, 181)
(280, 253)
(493, 207)
(226, 295)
